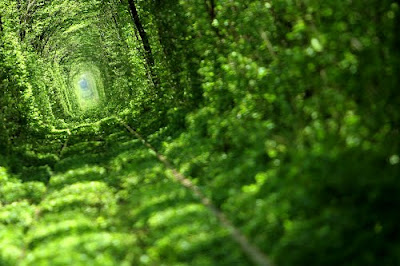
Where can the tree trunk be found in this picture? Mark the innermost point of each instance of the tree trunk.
(145, 41)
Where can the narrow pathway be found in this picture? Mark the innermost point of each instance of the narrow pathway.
(108, 194)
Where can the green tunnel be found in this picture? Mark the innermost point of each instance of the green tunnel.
(199, 132)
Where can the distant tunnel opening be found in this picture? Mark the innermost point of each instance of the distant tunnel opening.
(87, 86)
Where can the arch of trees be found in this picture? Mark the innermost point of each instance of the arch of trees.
(207, 133)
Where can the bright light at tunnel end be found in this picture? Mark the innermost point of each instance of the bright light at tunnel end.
(87, 85)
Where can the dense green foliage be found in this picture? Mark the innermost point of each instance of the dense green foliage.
(285, 113)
